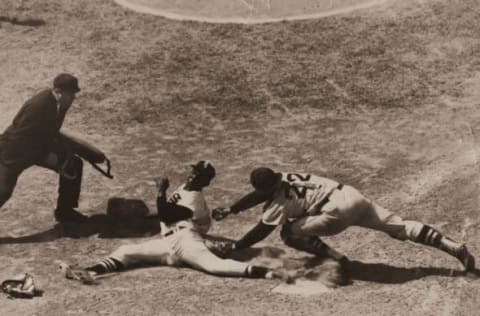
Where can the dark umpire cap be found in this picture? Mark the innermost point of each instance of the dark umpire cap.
(205, 168)
(264, 179)
(66, 82)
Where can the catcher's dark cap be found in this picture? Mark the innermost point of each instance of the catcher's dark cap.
(264, 179)
(205, 168)
(66, 82)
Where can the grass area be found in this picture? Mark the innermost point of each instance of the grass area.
(146, 69)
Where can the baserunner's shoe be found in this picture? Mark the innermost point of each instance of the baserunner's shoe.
(84, 276)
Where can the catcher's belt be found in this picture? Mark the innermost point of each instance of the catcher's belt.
(327, 198)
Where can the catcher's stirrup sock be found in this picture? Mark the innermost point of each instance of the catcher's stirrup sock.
(431, 237)
(256, 272)
(107, 265)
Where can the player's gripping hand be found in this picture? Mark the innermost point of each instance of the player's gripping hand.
(220, 213)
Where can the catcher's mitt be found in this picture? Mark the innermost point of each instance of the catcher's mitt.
(222, 248)
(21, 286)
(220, 213)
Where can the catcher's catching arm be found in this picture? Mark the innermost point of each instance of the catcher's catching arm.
(255, 235)
(248, 201)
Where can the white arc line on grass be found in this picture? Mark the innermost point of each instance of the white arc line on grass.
(266, 3)
(143, 8)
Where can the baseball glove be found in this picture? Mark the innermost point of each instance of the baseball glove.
(21, 286)
(220, 213)
(221, 248)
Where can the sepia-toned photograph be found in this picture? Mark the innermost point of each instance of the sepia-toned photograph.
(239, 157)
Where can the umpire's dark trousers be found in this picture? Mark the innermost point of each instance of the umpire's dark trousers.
(69, 185)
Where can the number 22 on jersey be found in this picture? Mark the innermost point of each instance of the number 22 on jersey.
(297, 185)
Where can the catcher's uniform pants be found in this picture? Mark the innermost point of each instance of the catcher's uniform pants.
(183, 246)
(348, 207)
(68, 189)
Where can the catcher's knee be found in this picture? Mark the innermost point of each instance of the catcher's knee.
(285, 233)
(293, 240)
(411, 230)
(288, 237)
(316, 226)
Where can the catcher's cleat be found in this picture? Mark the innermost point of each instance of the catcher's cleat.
(84, 276)
(281, 274)
(466, 258)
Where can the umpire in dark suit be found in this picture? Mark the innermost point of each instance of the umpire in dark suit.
(33, 139)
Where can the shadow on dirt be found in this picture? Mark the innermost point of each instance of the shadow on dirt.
(124, 218)
(355, 270)
(384, 273)
(104, 226)
(23, 22)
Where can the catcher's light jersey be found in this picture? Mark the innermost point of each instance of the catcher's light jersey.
(298, 193)
(195, 201)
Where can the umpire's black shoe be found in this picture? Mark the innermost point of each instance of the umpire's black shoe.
(69, 215)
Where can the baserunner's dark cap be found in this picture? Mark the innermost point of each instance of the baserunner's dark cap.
(205, 168)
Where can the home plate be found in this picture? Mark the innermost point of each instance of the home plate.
(302, 288)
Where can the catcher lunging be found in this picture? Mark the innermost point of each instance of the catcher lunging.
(308, 207)
(185, 218)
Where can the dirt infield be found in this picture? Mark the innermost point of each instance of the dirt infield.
(385, 99)
(246, 11)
